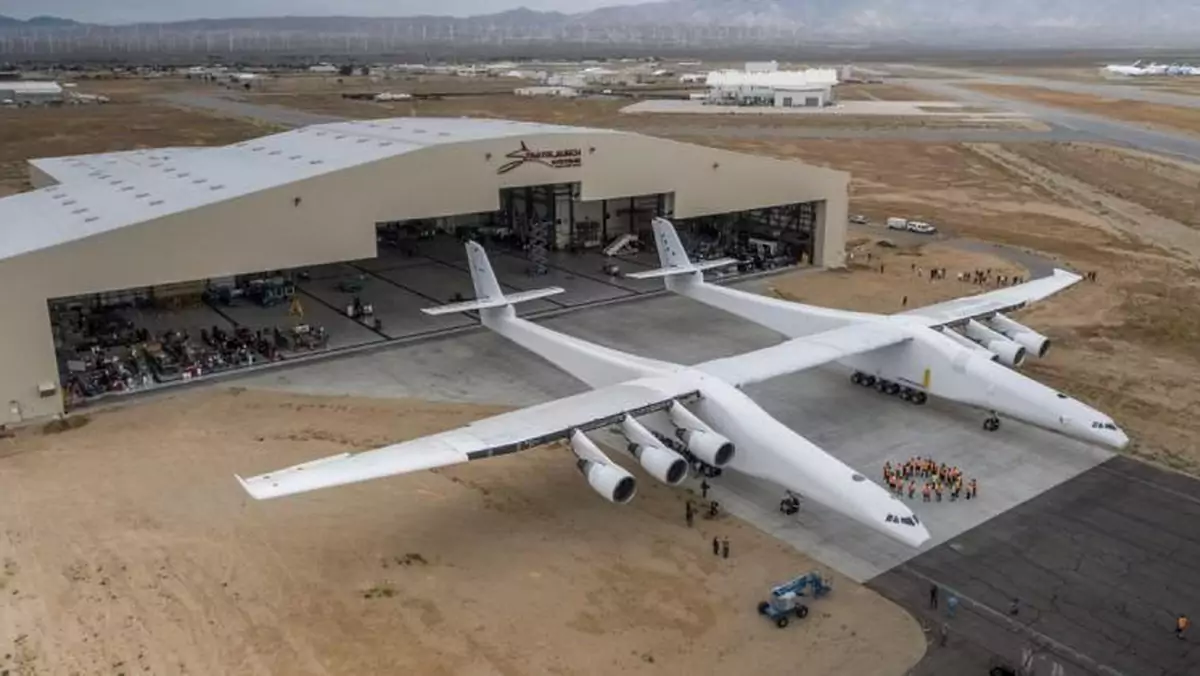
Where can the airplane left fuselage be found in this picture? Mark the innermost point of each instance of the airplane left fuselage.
(766, 448)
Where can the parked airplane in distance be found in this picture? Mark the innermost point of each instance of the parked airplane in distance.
(959, 350)
(666, 416)
(1138, 69)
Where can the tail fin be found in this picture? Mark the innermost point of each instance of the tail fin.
(673, 257)
(488, 293)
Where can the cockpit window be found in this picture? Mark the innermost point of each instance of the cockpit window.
(907, 520)
(1104, 426)
(858, 477)
(1061, 395)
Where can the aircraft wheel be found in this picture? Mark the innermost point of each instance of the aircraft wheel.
(919, 398)
(802, 612)
(906, 394)
(857, 378)
(881, 385)
(991, 424)
(893, 389)
(868, 381)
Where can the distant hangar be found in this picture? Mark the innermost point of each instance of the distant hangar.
(142, 219)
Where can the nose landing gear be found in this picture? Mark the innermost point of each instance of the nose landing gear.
(992, 423)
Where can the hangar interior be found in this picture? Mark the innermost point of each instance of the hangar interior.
(570, 217)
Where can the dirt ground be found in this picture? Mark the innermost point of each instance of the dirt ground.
(128, 547)
(1126, 343)
(879, 92)
(886, 278)
(1177, 118)
(124, 124)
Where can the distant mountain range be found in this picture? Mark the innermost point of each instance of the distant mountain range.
(674, 23)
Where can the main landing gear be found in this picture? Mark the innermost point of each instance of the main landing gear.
(888, 387)
(992, 423)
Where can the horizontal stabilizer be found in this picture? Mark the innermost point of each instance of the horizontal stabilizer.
(684, 270)
(510, 299)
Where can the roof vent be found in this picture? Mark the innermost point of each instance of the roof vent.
(275, 152)
(385, 144)
(156, 203)
(169, 170)
(89, 219)
(362, 140)
(79, 211)
(183, 174)
(68, 203)
(140, 195)
(294, 157)
(216, 187)
(200, 180)
(316, 162)
(127, 188)
(256, 149)
(155, 165)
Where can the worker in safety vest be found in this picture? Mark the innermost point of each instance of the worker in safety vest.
(1181, 626)
(925, 492)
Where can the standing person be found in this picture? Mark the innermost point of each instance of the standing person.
(1181, 626)
(1015, 607)
(933, 596)
(925, 492)
(716, 546)
(725, 548)
(689, 514)
(944, 634)
(704, 488)
(951, 606)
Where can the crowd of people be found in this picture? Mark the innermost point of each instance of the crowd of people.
(934, 480)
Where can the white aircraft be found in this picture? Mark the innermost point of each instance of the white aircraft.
(919, 352)
(667, 414)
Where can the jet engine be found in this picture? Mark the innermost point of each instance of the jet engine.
(611, 481)
(701, 441)
(1010, 353)
(974, 347)
(1031, 340)
(665, 465)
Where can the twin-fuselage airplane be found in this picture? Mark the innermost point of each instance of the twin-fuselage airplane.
(673, 418)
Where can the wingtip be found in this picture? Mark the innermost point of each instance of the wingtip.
(246, 487)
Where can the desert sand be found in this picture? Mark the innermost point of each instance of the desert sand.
(128, 547)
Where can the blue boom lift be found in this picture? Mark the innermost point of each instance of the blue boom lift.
(785, 598)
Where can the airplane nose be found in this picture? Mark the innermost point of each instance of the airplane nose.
(1119, 440)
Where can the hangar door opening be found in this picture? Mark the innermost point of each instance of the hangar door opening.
(764, 238)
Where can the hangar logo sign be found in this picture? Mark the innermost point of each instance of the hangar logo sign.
(565, 158)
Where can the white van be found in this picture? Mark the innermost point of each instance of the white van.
(894, 223)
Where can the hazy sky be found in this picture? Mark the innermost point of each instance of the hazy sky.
(128, 11)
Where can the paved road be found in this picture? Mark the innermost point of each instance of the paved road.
(1088, 127)
(289, 117)
(1115, 91)
(1101, 565)
(271, 114)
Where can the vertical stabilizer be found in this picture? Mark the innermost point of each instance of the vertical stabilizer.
(487, 288)
(674, 259)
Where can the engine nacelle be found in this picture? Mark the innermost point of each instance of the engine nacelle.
(970, 345)
(1010, 353)
(665, 465)
(701, 441)
(1031, 340)
(611, 481)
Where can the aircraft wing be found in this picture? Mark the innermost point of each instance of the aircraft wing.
(499, 435)
(1001, 300)
(804, 353)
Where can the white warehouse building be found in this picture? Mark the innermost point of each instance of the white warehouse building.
(31, 92)
(759, 86)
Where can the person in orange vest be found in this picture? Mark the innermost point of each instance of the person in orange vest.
(1181, 626)
(912, 488)
(937, 488)
(925, 492)
(887, 470)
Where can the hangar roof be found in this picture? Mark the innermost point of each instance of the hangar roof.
(100, 193)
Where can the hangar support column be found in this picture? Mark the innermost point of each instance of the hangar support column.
(829, 233)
